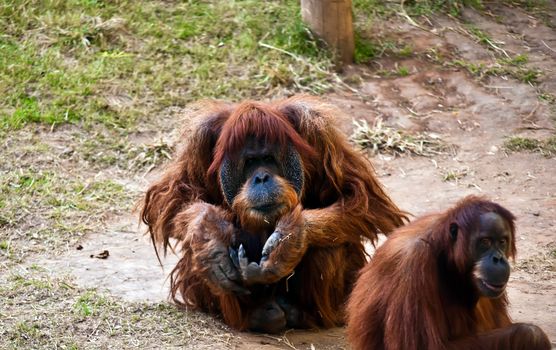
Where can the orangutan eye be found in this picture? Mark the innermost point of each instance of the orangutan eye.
(485, 242)
(249, 161)
(503, 241)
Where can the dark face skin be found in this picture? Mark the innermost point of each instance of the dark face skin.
(260, 167)
(256, 168)
(491, 246)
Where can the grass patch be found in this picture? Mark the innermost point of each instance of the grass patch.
(512, 66)
(429, 7)
(547, 97)
(541, 266)
(539, 8)
(405, 51)
(378, 138)
(481, 36)
(365, 50)
(454, 175)
(523, 144)
(398, 71)
(369, 7)
(105, 150)
(43, 210)
(89, 304)
(500, 68)
(68, 61)
(517, 60)
(66, 316)
(402, 71)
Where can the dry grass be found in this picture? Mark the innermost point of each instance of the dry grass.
(455, 174)
(147, 156)
(40, 311)
(378, 138)
(524, 144)
(542, 266)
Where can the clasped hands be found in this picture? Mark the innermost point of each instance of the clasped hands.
(230, 267)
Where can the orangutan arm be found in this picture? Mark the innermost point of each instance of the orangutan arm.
(515, 336)
(281, 252)
(294, 234)
(205, 233)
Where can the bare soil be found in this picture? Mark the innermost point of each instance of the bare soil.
(475, 114)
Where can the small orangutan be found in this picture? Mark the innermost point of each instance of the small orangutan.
(439, 283)
(268, 207)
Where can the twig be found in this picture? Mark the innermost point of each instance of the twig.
(294, 56)
(284, 340)
(551, 49)
(413, 112)
(300, 59)
(487, 40)
(536, 127)
(532, 112)
(497, 87)
(404, 14)
(287, 341)
(341, 82)
(95, 329)
(281, 50)
(497, 48)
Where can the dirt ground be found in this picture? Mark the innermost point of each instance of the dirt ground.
(475, 113)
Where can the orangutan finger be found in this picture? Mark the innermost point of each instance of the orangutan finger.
(270, 244)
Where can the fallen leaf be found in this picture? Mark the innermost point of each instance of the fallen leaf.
(102, 255)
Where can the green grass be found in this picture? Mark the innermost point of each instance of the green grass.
(117, 151)
(523, 144)
(66, 61)
(402, 71)
(503, 67)
(368, 49)
(454, 174)
(547, 97)
(405, 51)
(429, 7)
(43, 210)
(89, 304)
(365, 50)
(39, 311)
(481, 36)
(369, 8)
(538, 8)
(513, 66)
(517, 60)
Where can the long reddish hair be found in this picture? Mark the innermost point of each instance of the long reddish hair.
(262, 122)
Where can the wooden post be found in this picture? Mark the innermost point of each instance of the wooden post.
(331, 20)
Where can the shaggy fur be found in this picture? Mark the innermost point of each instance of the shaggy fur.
(417, 291)
(341, 203)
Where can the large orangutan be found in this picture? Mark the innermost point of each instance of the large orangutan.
(439, 283)
(268, 206)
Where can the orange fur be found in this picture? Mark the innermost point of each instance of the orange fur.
(417, 292)
(342, 203)
(252, 220)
